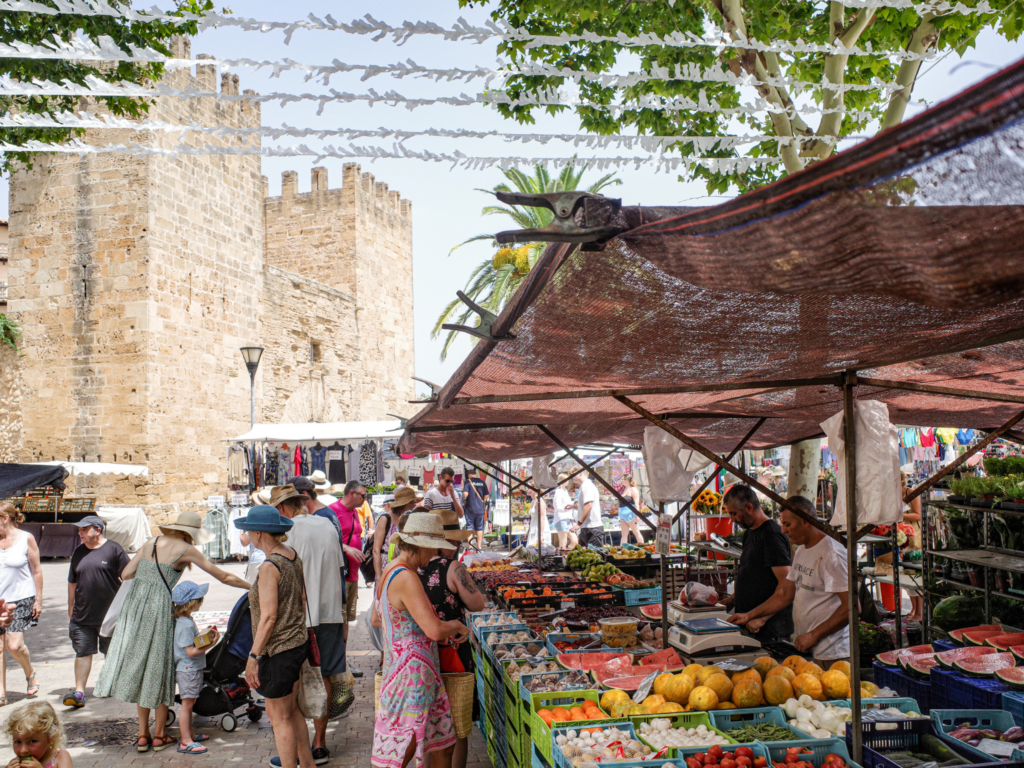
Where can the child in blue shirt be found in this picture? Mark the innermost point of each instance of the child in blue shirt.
(189, 661)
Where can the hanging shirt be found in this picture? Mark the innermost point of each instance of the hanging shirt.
(318, 458)
(297, 460)
(428, 475)
(910, 437)
(336, 469)
(965, 436)
(927, 438)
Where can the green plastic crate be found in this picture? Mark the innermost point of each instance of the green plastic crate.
(539, 730)
(513, 713)
(684, 719)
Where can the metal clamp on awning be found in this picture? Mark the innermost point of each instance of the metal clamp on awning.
(564, 227)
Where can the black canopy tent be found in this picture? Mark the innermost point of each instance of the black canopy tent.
(17, 479)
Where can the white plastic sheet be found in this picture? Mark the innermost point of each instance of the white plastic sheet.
(542, 476)
(879, 496)
(128, 526)
(670, 466)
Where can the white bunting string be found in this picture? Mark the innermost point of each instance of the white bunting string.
(663, 163)
(82, 49)
(87, 120)
(95, 87)
(463, 30)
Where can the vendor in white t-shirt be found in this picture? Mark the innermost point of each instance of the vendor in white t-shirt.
(588, 511)
(563, 520)
(820, 589)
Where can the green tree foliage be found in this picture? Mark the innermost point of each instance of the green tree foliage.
(36, 29)
(9, 331)
(783, 21)
(497, 277)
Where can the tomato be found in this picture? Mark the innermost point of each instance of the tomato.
(760, 762)
(728, 756)
(727, 763)
(700, 757)
(710, 760)
(743, 762)
(791, 758)
(715, 750)
(692, 762)
(744, 752)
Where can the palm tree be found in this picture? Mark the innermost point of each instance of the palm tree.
(496, 278)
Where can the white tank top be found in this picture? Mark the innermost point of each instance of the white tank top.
(16, 582)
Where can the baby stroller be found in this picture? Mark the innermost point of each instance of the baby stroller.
(224, 689)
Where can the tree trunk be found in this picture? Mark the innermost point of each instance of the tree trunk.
(804, 460)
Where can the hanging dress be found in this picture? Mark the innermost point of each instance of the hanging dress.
(413, 702)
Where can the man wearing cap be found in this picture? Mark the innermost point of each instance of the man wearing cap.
(93, 580)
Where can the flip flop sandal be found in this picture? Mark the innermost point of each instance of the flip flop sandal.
(144, 746)
(192, 749)
(164, 743)
(33, 685)
(201, 737)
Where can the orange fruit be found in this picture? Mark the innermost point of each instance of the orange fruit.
(597, 714)
(576, 713)
(560, 713)
(546, 716)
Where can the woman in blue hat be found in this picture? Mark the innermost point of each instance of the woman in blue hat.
(280, 640)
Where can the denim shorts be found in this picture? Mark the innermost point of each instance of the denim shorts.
(562, 526)
(474, 521)
(626, 515)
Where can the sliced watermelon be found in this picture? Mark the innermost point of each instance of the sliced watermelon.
(1012, 676)
(651, 611)
(986, 666)
(892, 658)
(1018, 653)
(919, 664)
(1006, 641)
(587, 660)
(948, 659)
(629, 683)
(958, 634)
(667, 658)
(979, 636)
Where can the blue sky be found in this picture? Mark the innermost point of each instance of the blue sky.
(446, 205)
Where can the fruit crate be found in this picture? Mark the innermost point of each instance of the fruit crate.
(939, 646)
(510, 630)
(908, 686)
(947, 720)
(556, 637)
(540, 732)
(820, 748)
(609, 557)
(1013, 702)
(498, 663)
(901, 735)
(973, 693)
(680, 719)
(727, 720)
(512, 711)
(536, 759)
(759, 750)
(903, 704)
(882, 674)
(527, 695)
(476, 620)
(512, 686)
(559, 760)
(639, 596)
(941, 695)
(593, 600)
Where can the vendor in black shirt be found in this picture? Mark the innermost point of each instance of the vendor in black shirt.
(758, 601)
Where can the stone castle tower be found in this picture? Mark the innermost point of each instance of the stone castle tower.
(137, 279)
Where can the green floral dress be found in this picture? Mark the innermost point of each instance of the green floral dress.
(139, 666)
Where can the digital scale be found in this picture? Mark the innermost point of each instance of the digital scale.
(702, 635)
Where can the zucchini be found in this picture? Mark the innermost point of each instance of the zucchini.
(940, 751)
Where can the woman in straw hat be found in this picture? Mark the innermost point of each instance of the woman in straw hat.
(452, 592)
(139, 667)
(387, 526)
(414, 717)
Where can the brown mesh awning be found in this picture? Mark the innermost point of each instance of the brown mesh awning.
(902, 258)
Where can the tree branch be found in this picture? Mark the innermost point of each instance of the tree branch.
(924, 37)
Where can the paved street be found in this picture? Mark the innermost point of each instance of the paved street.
(103, 733)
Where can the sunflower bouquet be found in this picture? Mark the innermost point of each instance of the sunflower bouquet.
(707, 503)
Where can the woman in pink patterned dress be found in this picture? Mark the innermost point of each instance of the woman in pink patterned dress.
(414, 718)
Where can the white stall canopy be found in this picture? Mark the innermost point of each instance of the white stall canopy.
(327, 432)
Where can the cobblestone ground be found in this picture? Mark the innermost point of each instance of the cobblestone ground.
(102, 735)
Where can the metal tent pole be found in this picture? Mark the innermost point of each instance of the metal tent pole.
(664, 576)
(897, 594)
(850, 446)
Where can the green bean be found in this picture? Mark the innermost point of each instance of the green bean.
(762, 732)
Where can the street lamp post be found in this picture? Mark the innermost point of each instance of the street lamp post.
(252, 356)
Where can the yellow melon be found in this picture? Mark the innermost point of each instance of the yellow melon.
(784, 672)
(871, 688)
(703, 699)
(620, 708)
(764, 665)
(679, 688)
(747, 694)
(810, 668)
(669, 707)
(637, 709)
(692, 670)
(707, 672)
(721, 685)
(653, 701)
(662, 681)
(726, 705)
(835, 684)
(747, 674)
(841, 666)
(794, 662)
(608, 698)
(810, 685)
(777, 689)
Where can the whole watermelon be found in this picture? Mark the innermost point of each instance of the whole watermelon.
(959, 611)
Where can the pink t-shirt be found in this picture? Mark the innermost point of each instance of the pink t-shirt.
(352, 533)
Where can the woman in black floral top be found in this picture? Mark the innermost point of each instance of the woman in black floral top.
(452, 592)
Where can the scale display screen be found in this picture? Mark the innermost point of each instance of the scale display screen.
(707, 626)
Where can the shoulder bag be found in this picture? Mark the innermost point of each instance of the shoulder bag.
(366, 567)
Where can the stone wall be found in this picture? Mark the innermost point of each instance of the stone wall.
(10, 404)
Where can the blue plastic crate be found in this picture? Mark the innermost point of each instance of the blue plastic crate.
(640, 596)
(947, 720)
(911, 687)
(903, 704)
(983, 694)
(882, 674)
(941, 696)
(901, 735)
(476, 620)
(820, 748)
(558, 759)
(1013, 702)
(554, 637)
(727, 720)
(939, 646)
(525, 693)
(536, 761)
